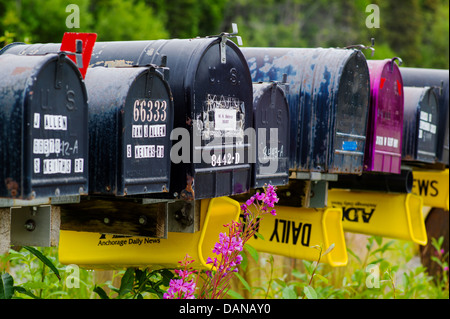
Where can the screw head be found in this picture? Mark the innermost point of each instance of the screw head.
(30, 225)
(142, 220)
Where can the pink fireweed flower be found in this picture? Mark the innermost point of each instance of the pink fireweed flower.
(185, 286)
(227, 249)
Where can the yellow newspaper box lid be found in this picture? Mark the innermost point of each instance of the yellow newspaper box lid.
(102, 251)
(432, 186)
(384, 214)
(294, 231)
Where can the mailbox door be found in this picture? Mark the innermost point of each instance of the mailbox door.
(420, 125)
(385, 127)
(271, 120)
(54, 141)
(349, 114)
(131, 115)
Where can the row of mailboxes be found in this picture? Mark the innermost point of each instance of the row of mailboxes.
(175, 117)
(439, 81)
(150, 134)
(328, 98)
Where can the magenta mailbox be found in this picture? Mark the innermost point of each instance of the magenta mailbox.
(383, 151)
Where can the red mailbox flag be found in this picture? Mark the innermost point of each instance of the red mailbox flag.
(69, 44)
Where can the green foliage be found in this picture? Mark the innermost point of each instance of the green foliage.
(128, 20)
(29, 269)
(138, 284)
(415, 30)
(401, 279)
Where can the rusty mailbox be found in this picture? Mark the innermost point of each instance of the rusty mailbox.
(43, 132)
(329, 92)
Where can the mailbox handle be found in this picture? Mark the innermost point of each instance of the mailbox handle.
(400, 62)
(364, 47)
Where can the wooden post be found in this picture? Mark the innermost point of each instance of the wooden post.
(5, 230)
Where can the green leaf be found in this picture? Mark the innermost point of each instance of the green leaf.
(309, 292)
(167, 275)
(289, 293)
(308, 266)
(252, 251)
(44, 259)
(126, 283)
(260, 236)
(6, 286)
(102, 294)
(378, 239)
(233, 294)
(325, 280)
(329, 249)
(243, 281)
(25, 292)
(280, 282)
(354, 255)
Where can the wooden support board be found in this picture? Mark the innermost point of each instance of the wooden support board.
(114, 216)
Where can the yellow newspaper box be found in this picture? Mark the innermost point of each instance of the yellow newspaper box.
(101, 251)
(384, 214)
(293, 232)
(432, 186)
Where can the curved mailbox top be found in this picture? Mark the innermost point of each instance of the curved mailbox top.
(270, 121)
(130, 120)
(328, 100)
(43, 136)
(439, 79)
(385, 128)
(420, 124)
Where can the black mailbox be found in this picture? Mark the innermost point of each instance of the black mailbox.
(439, 79)
(130, 120)
(329, 92)
(212, 93)
(420, 125)
(43, 132)
(270, 121)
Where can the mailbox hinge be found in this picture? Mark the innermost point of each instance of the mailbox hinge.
(149, 81)
(223, 42)
(59, 66)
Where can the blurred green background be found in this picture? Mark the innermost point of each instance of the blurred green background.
(415, 30)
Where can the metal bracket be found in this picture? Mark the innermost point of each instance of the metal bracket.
(364, 47)
(35, 226)
(223, 43)
(184, 216)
